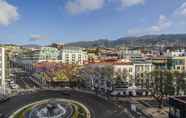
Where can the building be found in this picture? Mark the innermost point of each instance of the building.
(46, 54)
(108, 54)
(129, 53)
(178, 64)
(161, 63)
(73, 55)
(135, 71)
(175, 53)
(142, 69)
(59, 46)
(92, 54)
(125, 70)
(177, 107)
(2, 70)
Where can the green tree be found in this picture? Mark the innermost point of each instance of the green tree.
(168, 80)
(180, 82)
(162, 85)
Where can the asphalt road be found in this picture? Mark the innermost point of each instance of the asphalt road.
(24, 81)
(98, 107)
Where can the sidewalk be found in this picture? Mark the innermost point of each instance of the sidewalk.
(157, 112)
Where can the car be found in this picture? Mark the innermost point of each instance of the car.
(14, 86)
(115, 93)
(8, 80)
(12, 82)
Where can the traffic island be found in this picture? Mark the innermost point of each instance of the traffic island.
(53, 108)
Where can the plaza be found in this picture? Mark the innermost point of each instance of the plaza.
(94, 106)
(52, 108)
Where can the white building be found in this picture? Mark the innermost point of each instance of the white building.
(46, 54)
(127, 69)
(141, 71)
(176, 53)
(73, 55)
(134, 71)
(129, 53)
(2, 70)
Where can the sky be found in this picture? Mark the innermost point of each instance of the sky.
(63, 21)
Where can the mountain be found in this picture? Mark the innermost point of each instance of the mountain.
(30, 46)
(170, 40)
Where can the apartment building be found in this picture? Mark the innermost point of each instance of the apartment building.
(135, 71)
(73, 55)
(47, 54)
(125, 70)
(129, 53)
(142, 70)
(175, 53)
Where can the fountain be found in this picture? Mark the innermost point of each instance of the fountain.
(52, 108)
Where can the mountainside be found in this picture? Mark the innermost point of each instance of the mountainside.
(171, 40)
(31, 46)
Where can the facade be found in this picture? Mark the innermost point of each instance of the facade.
(175, 53)
(177, 107)
(142, 69)
(92, 54)
(161, 63)
(133, 71)
(178, 64)
(2, 70)
(46, 54)
(128, 53)
(125, 69)
(107, 54)
(73, 55)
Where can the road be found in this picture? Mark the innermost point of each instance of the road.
(23, 80)
(98, 107)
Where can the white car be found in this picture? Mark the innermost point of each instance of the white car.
(12, 82)
(14, 86)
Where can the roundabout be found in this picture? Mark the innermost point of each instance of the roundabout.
(60, 103)
(53, 108)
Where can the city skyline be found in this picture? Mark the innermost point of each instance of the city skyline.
(44, 22)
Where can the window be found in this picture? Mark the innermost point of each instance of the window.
(119, 70)
(130, 69)
(142, 68)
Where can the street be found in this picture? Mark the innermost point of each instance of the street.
(98, 107)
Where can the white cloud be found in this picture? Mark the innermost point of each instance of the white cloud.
(162, 25)
(8, 13)
(181, 11)
(38, 37)
(78, 6)
(128, 3)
